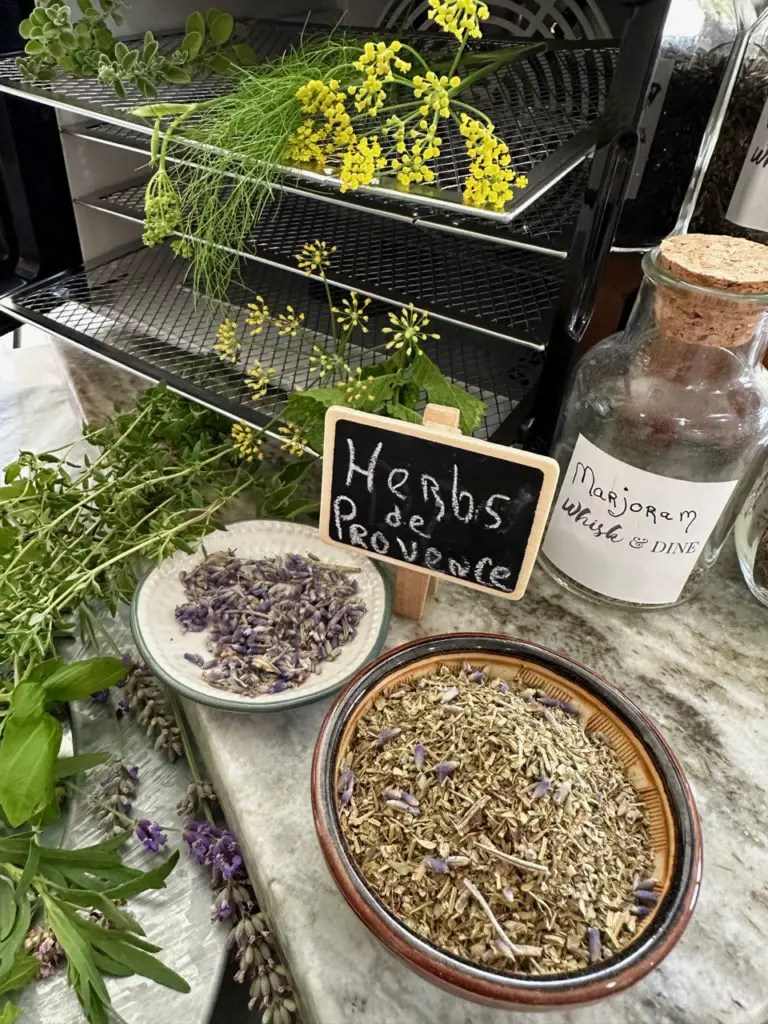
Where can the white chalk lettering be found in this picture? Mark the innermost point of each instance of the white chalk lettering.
(357, 535)
(499, 573)
(413, 554)
(458, 496)
(338, 518)
(430, 485)
(379, 543)
(432, 558)
(456, 569)
(414, 523)
(479, 569)
(354, 468)
(492, 511)
(395, 484)
(393, 518)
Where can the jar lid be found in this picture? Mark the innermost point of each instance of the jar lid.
(717, 261)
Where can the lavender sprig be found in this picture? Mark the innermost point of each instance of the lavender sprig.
(114, 794)
(144, 695)
(151, 835)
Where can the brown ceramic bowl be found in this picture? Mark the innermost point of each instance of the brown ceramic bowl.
(651, 767)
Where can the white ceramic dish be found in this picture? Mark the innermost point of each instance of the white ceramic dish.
(163, 643)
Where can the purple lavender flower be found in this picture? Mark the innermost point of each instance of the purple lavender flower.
(418, 755)
(646, 896)
(540, 789)
(224, 911)
(476, 677)
(504, 687)
(225, 855)
(642, 911)
(214, 847)
(437, 865)
(133, 771)
(100, 696)
(127, 659)
(151, 835)
(445, 769)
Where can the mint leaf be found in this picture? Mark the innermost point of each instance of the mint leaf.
(441, 391)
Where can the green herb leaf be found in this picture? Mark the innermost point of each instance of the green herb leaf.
(144, 963)
(8, 538)
(9, 1013)
(177, 75)
(27, 701)
(90, 898)
(23, 970)
(190, 44)
(154, 879)
(82, 678)
(220, 64)
(402, 412)
(195, 23)
(109, 966)
(68, 766)
(83, 973)
(29, 872)
(25, 28)
(443, 392)
(34, 47)
(27, 755)
(246, 55)
(220, 26)
(7, 908)
(11, 944)
(12, 471)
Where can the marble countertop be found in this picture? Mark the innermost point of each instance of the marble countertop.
(699, 670)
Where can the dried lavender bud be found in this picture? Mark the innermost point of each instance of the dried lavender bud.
(641, 911)
(400, 805)
(646, 883)
(346, 785)
(445, 769)
(194, 659)
(100, 696)
(450, 693)
(594, 944)
(418, 755)
(392, 794)
(270, 622)
(504, 687)
(509, 896)
(540, 789)
(457, 861)
(45, 946)
(147, 699)
(646, 896)
(409, 798)
(563, 792)
(114, 792)
(476, 677)
(197, 795)
(438, 866)
(547, 702)
(568, 707)
(385, 736)
(214, 847)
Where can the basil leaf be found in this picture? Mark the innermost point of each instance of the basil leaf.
(27, 701)
(82, 678)
(67, 766)
(23, 970)
(7, 909)
(27, 755)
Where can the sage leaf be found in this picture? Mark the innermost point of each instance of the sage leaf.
(178, 75)
(90, 898)
(195, 23)
(190, 44)
(68, 766)
(27, 755)
(220, 26)
(82, 678)
(23, 970)
(154, 879)
(7, 908)
(147, 965)
(220, 64)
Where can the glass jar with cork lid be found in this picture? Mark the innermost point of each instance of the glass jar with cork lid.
(661, 434)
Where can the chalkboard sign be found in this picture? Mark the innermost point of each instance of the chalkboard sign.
(434, 501)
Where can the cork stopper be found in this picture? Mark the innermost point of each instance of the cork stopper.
(720, 262)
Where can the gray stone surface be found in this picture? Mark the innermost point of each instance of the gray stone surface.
(698, 670)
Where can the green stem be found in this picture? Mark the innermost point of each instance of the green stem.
(474, 110)
(457, 58)
(189, 752)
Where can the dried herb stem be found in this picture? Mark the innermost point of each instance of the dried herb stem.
(510, 858)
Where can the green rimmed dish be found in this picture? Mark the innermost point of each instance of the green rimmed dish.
(162, 642)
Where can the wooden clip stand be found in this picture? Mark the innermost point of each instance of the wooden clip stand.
(412, 588)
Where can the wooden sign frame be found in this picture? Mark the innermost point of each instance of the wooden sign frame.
(439, 427)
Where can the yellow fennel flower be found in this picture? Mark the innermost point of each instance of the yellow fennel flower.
(433, 92)
(327, 127)
(408, 331)
(352, 313)
(295, 442)
(258, 315)
(315, 256)
(257, 380)
(491, 180)
(358, 389)
(246, 444)
(289, 322)
(227, 344)
(326, 364)
(459, 17)
(415, 148)
(360, 163)
(376, 62)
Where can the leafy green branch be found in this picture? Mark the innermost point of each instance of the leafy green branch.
(88, 49)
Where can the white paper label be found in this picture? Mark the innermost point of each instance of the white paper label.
(749, 202)
(628, 534)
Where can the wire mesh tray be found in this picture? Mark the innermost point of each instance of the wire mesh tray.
(546, 226)
(137, 310)
(545, 107)
(502, 291)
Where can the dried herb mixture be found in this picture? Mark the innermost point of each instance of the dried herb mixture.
(271, 621)
(493, 825)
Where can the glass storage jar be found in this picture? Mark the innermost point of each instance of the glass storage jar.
(751, 536)
(662, 429)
